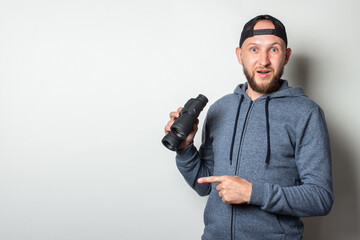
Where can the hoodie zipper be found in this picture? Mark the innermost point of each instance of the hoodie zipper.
(237, 169)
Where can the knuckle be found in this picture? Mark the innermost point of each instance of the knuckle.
(226, 198)
(226, 177)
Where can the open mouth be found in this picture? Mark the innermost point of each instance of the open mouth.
(264, 73)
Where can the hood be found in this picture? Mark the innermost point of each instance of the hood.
(284, 91)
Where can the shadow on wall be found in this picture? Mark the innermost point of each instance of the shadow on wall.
(299, 71)
(343, 221)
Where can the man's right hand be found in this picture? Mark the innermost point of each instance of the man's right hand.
(190, 138)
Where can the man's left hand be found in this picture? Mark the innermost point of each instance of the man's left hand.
(232, 189)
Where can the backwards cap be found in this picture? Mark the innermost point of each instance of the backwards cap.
(248, 30)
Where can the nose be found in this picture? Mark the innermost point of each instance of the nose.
(264, 59)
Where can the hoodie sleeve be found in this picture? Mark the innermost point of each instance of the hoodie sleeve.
(314, 194)
(194, 164)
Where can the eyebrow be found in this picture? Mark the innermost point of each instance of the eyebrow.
(271, 44)
(276, 43)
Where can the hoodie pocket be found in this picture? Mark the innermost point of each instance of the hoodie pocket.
(298, 182)
(292, 226)
(253, 223)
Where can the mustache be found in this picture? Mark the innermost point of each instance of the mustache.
(262, 69)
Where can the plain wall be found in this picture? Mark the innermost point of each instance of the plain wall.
(85, 92)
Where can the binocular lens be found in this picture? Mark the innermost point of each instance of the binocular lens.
(171, 141)
(169, 145)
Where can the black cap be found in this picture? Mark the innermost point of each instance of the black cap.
(248, 30)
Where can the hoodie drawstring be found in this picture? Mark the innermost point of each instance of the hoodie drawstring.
(268, 151)
(235, 128)
(267, 160)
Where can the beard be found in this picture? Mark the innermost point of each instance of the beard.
(272, 86)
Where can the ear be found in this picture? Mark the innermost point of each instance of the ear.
(238, 54)
(287, 55)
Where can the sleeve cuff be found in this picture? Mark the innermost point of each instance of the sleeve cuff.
(257, 194)
(186, 154)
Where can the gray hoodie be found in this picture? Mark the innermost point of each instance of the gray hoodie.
(279, 143)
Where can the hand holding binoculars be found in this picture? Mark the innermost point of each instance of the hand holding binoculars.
(184, 124)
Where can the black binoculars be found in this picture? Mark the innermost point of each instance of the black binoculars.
(184, 124)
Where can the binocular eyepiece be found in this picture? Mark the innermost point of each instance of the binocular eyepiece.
(184, 124)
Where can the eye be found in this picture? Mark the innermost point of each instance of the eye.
(253, 49)
(274, 50)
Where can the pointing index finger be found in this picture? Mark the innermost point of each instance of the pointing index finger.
(212, 179)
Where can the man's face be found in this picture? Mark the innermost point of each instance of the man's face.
(263, 58)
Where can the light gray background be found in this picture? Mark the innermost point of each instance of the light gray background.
(86, 88)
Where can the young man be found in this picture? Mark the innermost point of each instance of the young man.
(265, 156)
